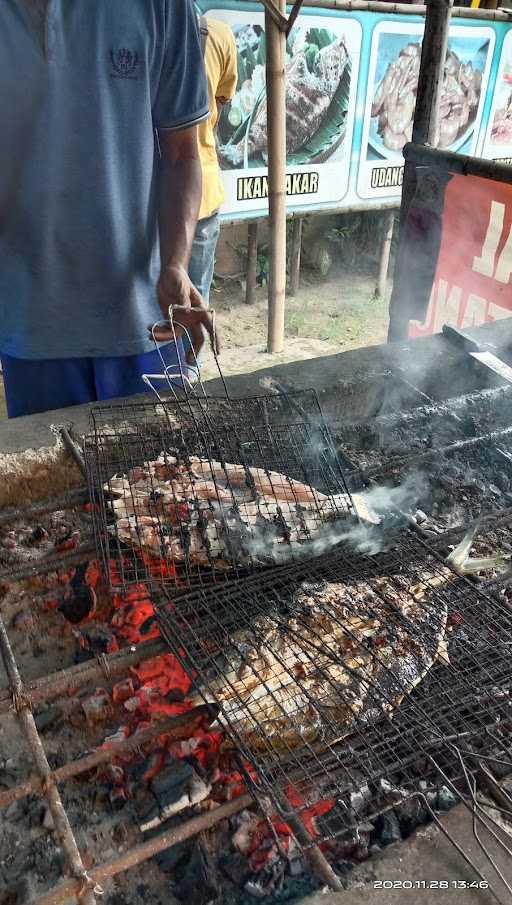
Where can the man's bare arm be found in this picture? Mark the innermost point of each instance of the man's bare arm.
(180, 197)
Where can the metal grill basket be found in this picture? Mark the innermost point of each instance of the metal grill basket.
(189, 492)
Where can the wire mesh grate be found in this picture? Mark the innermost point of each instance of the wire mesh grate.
(348, 670)
(188, 492)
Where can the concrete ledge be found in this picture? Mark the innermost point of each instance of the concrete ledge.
(431, 363)
(429, 856)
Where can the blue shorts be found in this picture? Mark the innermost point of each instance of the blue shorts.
(38, 386)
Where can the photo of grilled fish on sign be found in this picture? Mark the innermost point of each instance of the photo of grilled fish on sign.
(344, 655)
(318, 77)
(211, 513)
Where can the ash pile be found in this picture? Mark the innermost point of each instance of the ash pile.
(236, 725)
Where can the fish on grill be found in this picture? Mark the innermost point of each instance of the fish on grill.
(209, 512)
(342, 656)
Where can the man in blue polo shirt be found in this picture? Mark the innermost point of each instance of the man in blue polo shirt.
(100, 186)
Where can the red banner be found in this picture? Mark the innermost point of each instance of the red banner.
(472, 283)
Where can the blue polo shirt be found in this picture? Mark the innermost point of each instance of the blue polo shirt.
(79, 257)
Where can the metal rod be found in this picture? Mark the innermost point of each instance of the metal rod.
(62, 828)
(73, 450)
(141, 853)
(296, 256)
(457, 446)
(177, 728)
(493, 787)
(56, 562)
(457, 163)
(317, 860)
(276, 119)
(52, 686)
(252, 262)
(385, 251)
(66, 501)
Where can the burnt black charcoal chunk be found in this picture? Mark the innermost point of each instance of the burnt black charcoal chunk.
(236, 867)
(51, 718)
(172, 859)
(146, 806)
(171, 783)
(387, 829)
(38, 534)
(411, 814)
(445, 799)
(79, 606)
(198, 882)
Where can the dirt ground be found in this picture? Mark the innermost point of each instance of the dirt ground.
(325, 317)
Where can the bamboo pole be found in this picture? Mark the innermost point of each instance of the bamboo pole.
(406, 9)
(54, 562)
(175, 728)
(69, 888)
(64, 681)
(85, 887)
(425, 131)
(296, 256)
(252, 261)
(276, 139)
(385, 251)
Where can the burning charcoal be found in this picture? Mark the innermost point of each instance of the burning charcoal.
(51, 718)
(123, 690)
(236, 867)
(387, 828)
(97, 707)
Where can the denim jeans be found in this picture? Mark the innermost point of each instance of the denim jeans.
(202, 259)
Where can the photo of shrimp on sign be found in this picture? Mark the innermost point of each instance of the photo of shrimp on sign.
(498, 141)
(393, 82)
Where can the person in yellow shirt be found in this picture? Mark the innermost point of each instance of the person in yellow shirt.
(221, 73)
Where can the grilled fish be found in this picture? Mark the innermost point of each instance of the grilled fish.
(208, 512)
(343, 656)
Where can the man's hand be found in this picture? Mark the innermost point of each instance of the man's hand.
(198, 321)
(176, 289)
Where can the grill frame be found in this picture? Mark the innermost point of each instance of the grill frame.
(439, 728)
(283, 433)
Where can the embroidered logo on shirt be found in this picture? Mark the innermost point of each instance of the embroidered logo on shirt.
(125, 64)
